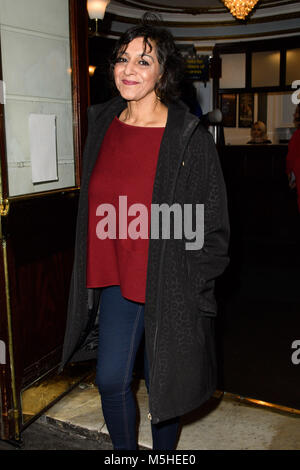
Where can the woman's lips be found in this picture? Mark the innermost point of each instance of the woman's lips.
(129, 82)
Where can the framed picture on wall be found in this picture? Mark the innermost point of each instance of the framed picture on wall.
(228, 108)
(246, 109)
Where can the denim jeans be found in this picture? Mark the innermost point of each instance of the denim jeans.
(121, 329)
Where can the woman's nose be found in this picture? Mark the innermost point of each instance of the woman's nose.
(129, 68)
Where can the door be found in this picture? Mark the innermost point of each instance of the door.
(44, 96)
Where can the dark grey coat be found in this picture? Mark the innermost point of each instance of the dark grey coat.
(180, 304)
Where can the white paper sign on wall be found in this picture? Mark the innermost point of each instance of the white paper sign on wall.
(42, 135)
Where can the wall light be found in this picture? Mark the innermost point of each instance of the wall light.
(92, 69)
(96, 10)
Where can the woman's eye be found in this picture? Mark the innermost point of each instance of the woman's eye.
(123, 60)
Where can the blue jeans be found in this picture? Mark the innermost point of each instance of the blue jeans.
(121, 329)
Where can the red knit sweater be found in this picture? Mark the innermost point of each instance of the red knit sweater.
(125, 167)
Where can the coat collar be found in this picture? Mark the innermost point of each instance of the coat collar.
(179, 117)
(179, 127)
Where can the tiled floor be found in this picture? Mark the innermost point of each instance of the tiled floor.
(221, 424)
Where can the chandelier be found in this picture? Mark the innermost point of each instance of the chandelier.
(240, 8)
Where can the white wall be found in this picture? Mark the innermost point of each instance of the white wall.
(36, 70)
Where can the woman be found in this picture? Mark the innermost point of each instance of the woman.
(259, 133)
(293, 156)
(145, 146)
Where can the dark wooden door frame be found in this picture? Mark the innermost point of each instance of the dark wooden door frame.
(11, 373)
(80, 77)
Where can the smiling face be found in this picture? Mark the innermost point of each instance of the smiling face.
(137, 71)
(256, 131)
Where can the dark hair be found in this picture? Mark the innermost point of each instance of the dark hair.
(169, 57)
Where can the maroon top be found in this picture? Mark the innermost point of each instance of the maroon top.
(126, 167)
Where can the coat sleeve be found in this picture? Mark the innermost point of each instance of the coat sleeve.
(208, 262)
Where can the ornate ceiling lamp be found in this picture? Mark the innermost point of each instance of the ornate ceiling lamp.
(240, 8)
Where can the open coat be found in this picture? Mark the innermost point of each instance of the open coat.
(180, 304)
